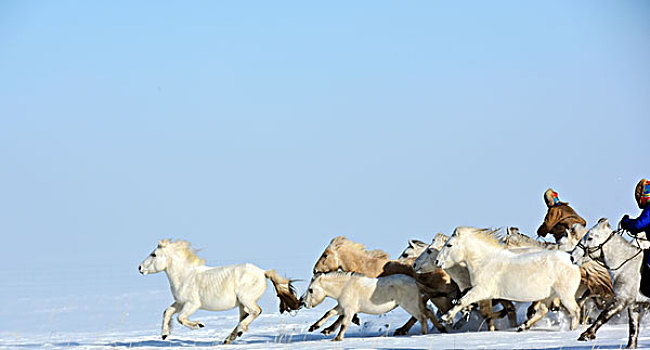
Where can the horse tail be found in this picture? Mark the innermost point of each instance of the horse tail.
(285, 291)
(597, 280)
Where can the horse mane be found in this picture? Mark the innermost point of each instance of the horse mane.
(342, 242)
(338, 274)
(486, 235)
(515, 239)
(185, 250)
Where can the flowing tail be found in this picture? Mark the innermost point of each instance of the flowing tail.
(597, 279)
(285, 291)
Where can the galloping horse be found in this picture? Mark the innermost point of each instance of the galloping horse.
(460, 275)
(623, 260)
(595, 282)
(358, 293)
(345, 255)
(196, 286)
(498, 273)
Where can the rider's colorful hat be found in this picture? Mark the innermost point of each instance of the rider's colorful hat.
(551, 198)
(642, 193)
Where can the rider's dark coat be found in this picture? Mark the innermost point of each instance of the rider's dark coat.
(642, 223)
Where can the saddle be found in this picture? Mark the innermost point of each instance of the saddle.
(645, 274)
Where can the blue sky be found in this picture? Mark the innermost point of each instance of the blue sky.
(260, 130)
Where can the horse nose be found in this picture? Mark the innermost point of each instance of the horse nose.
(437, 262)
(140, 268)
(572, 259)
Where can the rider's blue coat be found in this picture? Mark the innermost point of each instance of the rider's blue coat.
(642, 223)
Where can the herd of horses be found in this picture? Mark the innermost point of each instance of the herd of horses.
(473, 270)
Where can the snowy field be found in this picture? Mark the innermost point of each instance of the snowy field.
(98, 308)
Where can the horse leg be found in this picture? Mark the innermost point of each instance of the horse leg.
(434, 320)
(473, 295)
(333, 312)
(406, 327)
(345, 323)
(167, 319)
(569, 302)
(615, 307)
(633, 314)
(465, 315)
(582, 304)
(188, 309)
(507, 309)
(253, 311)
(510, 311)
(535, 313)
(242, 312)
(443, 304)
(332, 328)
(485, 308)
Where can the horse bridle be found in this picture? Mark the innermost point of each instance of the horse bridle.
(599, 248)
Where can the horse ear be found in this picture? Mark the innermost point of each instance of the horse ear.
(164, 242)
(603, 222)
(412, 243)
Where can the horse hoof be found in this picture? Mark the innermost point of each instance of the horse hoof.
(586, 336)
(355, 320)
(327, 331)
(240, 333)
(312, 328)
(520, 329)
(399, 332)
(201, 325)
(164, 336)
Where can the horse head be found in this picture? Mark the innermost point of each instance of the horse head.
(314, 295)
(414, 249)
(329, 260)
(166, 251)
(450, 254)
(591, 245)
(158, 260)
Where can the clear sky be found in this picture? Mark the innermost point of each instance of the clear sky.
(258, 131)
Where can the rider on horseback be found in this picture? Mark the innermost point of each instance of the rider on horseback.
(641, 224)
(559, 218)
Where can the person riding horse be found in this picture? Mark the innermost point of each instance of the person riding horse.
(641, 224)
(559, 218)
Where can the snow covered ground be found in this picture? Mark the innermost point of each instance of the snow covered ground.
(97, 308)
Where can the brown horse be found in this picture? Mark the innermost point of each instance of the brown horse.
(343, 254)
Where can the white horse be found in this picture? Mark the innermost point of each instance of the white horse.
(624, 261)
(498, 273)
(196, 286)
(358, 293)
(460, 275)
